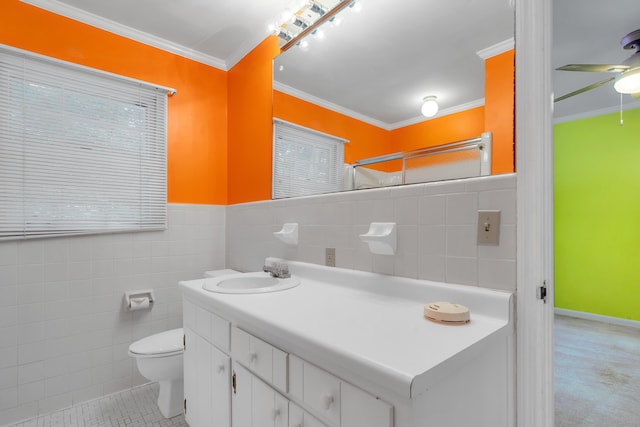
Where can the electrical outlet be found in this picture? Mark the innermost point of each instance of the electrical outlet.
(330, 257)
(488, 227)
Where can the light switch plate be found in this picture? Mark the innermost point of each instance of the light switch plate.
(330, 257)
(488, 227)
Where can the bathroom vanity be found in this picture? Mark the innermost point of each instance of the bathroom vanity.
(346, 348)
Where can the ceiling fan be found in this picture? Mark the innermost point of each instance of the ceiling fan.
(627, 78)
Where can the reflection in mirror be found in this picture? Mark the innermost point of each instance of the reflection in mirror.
(365, 81)
(462, 159)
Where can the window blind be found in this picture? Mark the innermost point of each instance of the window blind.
(305, 162)
(81, 151)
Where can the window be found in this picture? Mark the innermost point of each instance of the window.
(305, 161)
(81, 151)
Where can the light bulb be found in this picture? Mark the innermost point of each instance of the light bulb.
(430, 106)
(287, 16)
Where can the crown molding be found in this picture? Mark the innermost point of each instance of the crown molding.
(85, 17)
(447, 111)
(600, 112)
(497, 49)
(328, 105)
(358, 116)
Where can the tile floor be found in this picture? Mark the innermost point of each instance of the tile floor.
(597, 379)
(597, 374)
(135, 407)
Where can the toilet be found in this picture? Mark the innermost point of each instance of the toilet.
(159, 358)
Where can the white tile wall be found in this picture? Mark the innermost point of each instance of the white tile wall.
(64, 333)
(437, 235)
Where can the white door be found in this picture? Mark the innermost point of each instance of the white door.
(190, 377)
(207, 383)
(204, 385)
(255, 403)
(241, 397)
(262, 409)
(534, 166)
(221, 389)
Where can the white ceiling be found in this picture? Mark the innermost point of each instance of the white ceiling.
(428, 47)
(382, 61)
(589, 31)
(217, 32)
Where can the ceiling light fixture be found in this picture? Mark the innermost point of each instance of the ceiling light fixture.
(293, 27)
(317, 8)
(300, 23)
(430, 106)
(356, 6)
(628, 82)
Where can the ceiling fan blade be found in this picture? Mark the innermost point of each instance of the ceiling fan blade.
(595, 68)
(584, 89)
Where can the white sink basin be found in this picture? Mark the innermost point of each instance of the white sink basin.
(248, 283)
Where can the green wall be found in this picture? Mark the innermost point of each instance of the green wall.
(597, 215)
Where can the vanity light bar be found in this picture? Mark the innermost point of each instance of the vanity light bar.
(326, 17)
(300, 23)
(315, 7)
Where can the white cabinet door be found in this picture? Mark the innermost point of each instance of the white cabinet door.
(190, 377)
(221, 389)
(300, 418)
(255, 403)
(206, 383)
(241, 396)
(262, 408)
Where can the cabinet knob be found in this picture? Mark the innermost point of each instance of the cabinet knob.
(253, 357)
(276, 414)
(328, 401)
(220, 369)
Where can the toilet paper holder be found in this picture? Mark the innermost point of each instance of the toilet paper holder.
(139, 300)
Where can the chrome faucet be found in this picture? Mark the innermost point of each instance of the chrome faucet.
(279, 270)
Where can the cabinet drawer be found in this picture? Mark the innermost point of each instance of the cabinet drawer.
(335, 400)
(359, 408)
(263, 359)
(318, 389)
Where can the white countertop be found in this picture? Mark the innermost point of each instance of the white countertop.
(367, 326)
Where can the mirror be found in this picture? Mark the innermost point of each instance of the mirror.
(365, 80)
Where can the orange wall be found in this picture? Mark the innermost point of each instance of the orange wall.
(220, 126)
(197, 128)
(250, 125)
(441, 130)
(499, 90)
(365, 140)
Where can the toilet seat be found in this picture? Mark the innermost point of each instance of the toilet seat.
(163, 344)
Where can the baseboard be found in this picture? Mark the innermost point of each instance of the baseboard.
(597, 318)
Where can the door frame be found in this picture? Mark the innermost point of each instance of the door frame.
(534, 200)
